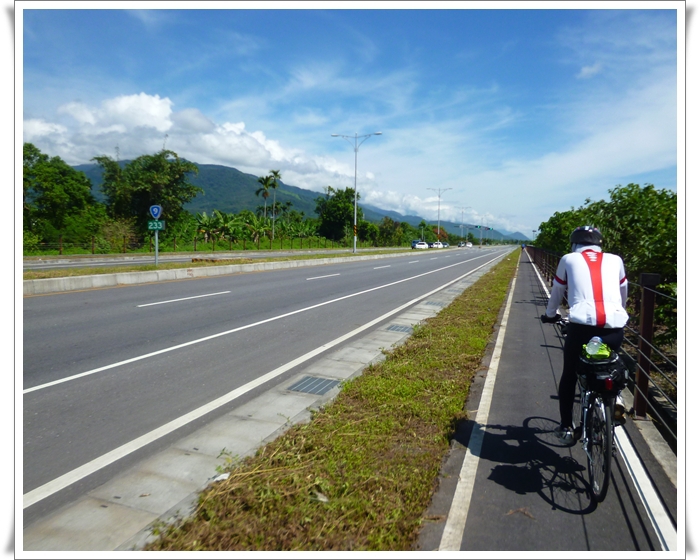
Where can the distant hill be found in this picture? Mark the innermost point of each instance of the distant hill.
(229, 190)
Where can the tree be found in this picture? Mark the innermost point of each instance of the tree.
(336, 212)
(264, 190)
(257, 226)
(390, 232)
(275, 175)
(56, 197)
(228, 225)
(637, 223)
(207, 225)
(161, 178)
(367, 231)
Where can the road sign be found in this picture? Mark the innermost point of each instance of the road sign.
(155, 210)
(157, 225)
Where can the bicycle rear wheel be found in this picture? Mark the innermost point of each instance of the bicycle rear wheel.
(599, 445)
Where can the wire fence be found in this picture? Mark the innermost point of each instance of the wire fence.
(654, 382)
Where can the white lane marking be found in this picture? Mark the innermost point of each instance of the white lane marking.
(411, 262)
(660, 520)
(182, 299)
(326, 276)
(237, 329)
(658, 516)
(385, 266)
(63, 481)
(457, 517)
(433, 258)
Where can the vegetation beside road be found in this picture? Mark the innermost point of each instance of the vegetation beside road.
(204, 262)
(360, 475)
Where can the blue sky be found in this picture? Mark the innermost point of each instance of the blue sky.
(518, 112)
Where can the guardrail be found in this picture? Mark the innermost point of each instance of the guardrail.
(654, 385)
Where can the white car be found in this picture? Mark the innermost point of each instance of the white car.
(421, 245)
(437, 245)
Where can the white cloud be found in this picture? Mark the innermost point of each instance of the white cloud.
(35, 129)
(192, 120)
(79, 111)
(140, 110)
(590, 71)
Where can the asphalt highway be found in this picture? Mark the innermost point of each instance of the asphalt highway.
(103, 367)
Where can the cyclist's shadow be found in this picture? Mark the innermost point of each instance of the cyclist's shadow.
(528, 462)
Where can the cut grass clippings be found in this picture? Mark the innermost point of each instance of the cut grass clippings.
(360, 475)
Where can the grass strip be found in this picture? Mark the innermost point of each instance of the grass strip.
(206, 261)
(360, 475)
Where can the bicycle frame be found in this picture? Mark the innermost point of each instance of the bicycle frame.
(588, 396)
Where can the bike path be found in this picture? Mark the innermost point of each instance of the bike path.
(508, 485)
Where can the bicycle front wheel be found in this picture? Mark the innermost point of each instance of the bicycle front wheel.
(599, 446)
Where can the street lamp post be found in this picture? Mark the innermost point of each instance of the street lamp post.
(462, 226)
(356, 147)
(439, 191)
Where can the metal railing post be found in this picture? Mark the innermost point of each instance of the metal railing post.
(646, 332)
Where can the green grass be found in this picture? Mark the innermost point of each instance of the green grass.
(361, 473)
(211, 261)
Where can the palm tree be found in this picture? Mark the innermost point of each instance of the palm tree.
(275, 175)
(266, 182)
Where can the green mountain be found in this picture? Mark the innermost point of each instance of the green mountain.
(229, 190)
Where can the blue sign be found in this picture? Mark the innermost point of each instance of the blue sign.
(156, 210)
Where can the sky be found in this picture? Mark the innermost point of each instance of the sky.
(519, 112)
(492, 116)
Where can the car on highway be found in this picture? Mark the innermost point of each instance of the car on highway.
(462, 244)
(437, 245)
(421, 245)
(414, 242)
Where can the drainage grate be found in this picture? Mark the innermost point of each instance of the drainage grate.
(436, 303)
(313, 385)
(400, 328)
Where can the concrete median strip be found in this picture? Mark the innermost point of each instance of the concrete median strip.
(74, 283)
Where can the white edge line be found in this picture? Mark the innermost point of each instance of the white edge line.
(63, 481)
(658, 516)
(457, 516)
(385, 266)
(183, 299)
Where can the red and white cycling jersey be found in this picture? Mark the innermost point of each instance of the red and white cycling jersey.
(597, 288)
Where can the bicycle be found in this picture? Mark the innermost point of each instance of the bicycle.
(601, 377)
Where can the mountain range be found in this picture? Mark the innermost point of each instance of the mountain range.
(229, 190)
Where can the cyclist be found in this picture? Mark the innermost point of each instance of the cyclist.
(596, 285)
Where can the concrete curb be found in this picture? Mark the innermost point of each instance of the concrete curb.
(74, 283)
